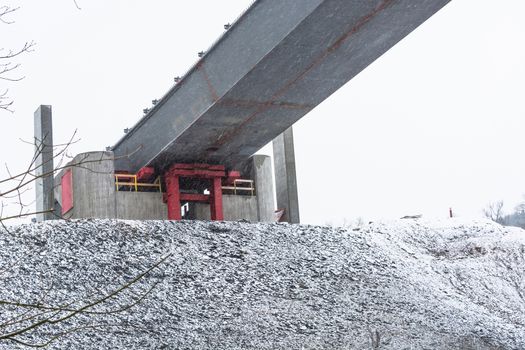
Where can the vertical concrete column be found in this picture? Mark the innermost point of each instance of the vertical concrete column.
(44, 184)
(261, 173)
(285, 176)
(173, 196)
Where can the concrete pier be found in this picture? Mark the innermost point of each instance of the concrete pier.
(45, 199)
(261, 173)
(259, 169)
(285, 176)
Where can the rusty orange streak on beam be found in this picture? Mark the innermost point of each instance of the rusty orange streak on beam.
(315, 63)
(212, 90)
(263, 104)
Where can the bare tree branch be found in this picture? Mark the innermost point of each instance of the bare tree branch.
(7, 66)
(49, 315)
(6, 10)
(76, 4)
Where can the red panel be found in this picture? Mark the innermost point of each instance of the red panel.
(216, 200)
(173, 197)
(145, 174)
(66, 182)
(198, 166)
(232, 176)
(197, 173)
(205, 171)
(192, 197)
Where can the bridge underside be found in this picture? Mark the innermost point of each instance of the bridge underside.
(274, 65)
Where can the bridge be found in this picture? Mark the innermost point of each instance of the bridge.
(277, 62)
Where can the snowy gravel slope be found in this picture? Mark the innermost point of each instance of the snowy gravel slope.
(407, 284)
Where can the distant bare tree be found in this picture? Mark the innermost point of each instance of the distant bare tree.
(494, 212)
(520, 208)
(517, 217)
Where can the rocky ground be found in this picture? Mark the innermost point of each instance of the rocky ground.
(408, 284)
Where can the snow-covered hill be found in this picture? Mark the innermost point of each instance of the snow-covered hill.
(408, 284)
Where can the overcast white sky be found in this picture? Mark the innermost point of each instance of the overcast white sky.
(437, 122)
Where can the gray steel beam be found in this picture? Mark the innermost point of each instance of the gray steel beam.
(274, 65)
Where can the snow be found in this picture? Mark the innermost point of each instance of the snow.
(407, 284)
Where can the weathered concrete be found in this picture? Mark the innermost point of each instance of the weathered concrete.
(274, 65)
(261, 172)
(44, 184)
(285, 176)
(93, 186)
(95, 196)
(140, 206)
(234, 208)
(260, 207)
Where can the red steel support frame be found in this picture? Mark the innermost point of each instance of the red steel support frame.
(216, 200)
(214, 173)
(173, 197)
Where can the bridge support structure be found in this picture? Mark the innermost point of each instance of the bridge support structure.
(204, 176)
(44, 183)
(285, 176)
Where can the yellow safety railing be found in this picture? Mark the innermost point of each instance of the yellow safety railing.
(247, 185)
(129, 180)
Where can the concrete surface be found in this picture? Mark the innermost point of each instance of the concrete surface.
(286, 177)
(235, 208)
(261, 172)
(93, 186)
(274, 65)
(140, 206)
(44, 184)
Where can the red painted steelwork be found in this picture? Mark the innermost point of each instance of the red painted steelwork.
(216, 200)
(198, 170)
(197, 166)
(214, 173)
(66, 182)
(199, 173)
(145, 174)
(194, 197)
(232, 176)
(173, 197)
